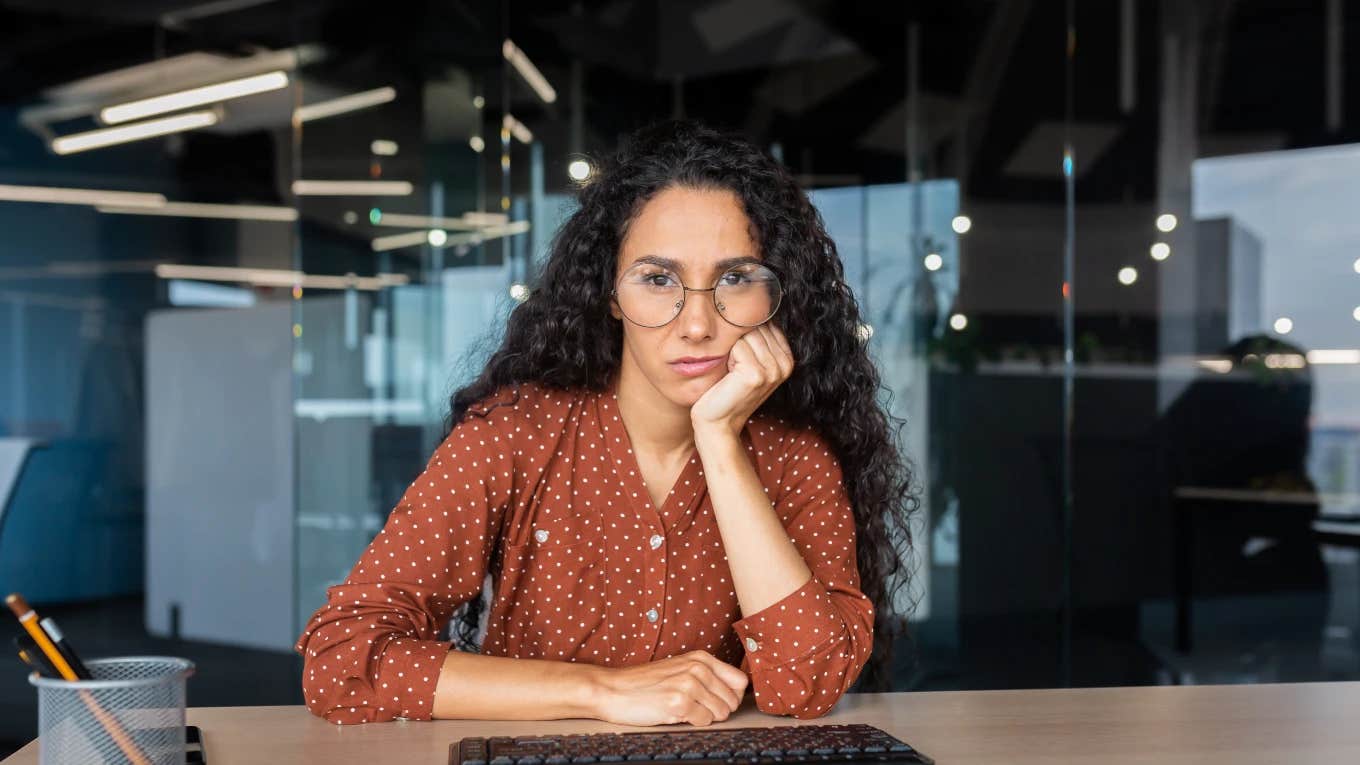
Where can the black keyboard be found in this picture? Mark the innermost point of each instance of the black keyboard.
(782, 744)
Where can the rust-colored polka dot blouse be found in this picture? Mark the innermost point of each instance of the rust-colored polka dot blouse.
(543, 485)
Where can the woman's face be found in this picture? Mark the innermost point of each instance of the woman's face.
(697, 236)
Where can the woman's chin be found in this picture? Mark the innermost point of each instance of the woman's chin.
(687, 392)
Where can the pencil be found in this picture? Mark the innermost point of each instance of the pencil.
(29, 619)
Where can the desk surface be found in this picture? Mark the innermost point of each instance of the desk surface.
(1297, 723)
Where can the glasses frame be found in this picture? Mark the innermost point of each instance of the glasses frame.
(684, 297)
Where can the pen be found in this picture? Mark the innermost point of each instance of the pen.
(30, 655)
(64, 647)
(29, 619)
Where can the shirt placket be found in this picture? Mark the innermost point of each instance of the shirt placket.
(651, 544)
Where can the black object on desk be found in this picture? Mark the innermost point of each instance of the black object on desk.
(782, 744)
(194, 753)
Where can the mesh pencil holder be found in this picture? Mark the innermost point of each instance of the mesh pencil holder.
(131, 712)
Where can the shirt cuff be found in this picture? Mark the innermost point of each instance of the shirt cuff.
(799, 623)
(404, 685)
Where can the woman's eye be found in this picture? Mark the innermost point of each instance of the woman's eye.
(733, 278)
(657, 280)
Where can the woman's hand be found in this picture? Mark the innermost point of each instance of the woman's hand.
(757, 364)
(693, 688)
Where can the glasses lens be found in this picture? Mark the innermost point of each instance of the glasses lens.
(748, 295)
(650, 295)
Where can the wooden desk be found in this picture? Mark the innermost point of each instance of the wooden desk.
(1299, 723)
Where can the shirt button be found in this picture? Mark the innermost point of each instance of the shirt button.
(751, 645)
(652, 615)
(541, 535)
(656, 541)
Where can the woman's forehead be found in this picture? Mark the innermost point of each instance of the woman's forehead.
(691, 230)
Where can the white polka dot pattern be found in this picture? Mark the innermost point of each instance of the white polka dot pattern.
(540, 489)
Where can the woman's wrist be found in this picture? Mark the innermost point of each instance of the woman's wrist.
(591, 689)
(711, 438)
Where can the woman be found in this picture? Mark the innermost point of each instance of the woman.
(658, 490)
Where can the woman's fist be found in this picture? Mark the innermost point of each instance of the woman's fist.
(694, 688)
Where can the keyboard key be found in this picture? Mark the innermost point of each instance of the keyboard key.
(719, 754)
(824, 750)
(583, 759)
(502, 760)
(692, 755)
(875, 748)
(799, 752)
(639, 757)
(899, 748)
(558, 759)
(849, 750)
(474, 762)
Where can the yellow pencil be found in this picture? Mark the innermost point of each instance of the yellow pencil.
(29, 619)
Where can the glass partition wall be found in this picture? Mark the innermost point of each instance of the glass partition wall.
(1102, 252)
(146, 267)
(399, 190)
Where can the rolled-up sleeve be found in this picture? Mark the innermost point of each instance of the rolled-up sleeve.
(805, 650)
(370, 653)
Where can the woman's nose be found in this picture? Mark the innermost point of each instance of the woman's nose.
(698, 318)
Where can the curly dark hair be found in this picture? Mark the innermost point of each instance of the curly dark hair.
(564, 337)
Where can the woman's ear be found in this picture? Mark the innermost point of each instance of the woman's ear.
(614, 309)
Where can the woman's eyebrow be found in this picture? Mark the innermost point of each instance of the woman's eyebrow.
(679, 267)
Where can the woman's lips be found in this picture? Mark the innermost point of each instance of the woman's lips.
(696, 368)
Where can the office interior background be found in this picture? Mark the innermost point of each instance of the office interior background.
(1107, 252)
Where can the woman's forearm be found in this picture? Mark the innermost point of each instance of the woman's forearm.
(476, 686)
(765, 564)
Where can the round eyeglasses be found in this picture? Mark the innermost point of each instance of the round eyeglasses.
(652, 295)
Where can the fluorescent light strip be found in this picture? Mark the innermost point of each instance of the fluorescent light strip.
(1334, 356)
(464, 223)
(136, 131)
(197, 210)
(352, 188)
(266, 277)
(185, 99)
(509, 229)
(343, 104)
(486, 218)
(486, 234)
(1221, 366)
(528, 71)
(398, 241)
(64, 196)
(517, 129)
(413, 238)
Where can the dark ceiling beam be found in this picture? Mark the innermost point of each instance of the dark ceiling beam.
(984, 78)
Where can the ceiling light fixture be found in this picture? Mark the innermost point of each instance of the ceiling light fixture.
(344, 104)
(191, 97)
(135, 131)
(528, 71)
(65, 196)
(199, 210)
(304, 188)
(268, 277)
(517, 129)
